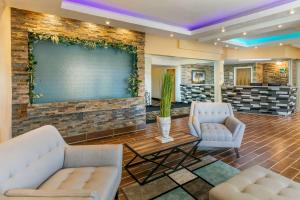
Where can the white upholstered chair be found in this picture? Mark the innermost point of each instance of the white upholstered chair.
(216, 125)
(39, 165)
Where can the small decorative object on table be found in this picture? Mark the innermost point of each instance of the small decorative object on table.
(164, 121)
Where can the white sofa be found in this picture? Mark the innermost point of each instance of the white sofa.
(256, 183)
(40, 165)
(216, 125)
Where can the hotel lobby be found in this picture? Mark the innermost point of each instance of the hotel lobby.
(149, 100)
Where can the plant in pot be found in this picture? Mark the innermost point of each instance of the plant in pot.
(164, 120)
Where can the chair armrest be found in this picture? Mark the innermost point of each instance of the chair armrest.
(93, 156)
(235, 126)
(51, 194)
(194, 126)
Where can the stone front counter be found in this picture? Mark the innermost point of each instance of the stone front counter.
(197, 92)
(264, 99)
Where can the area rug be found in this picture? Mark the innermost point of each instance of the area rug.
(190, 183)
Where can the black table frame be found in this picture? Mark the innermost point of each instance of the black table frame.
(164, 154)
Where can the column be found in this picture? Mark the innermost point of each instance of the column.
(298, 85)
(148, 81)
(290, 71)
(5, 75)
(218, 79)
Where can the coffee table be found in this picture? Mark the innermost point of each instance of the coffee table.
(150, 150)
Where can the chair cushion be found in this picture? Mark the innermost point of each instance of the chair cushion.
(100, 179)
(215, 132)
(257, 183)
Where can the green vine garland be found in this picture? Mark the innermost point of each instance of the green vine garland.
(33, 37)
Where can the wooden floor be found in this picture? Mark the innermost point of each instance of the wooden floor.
(269, 141)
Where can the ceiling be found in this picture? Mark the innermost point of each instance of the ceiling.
(190, 19)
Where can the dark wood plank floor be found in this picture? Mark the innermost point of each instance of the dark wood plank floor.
(270, 141)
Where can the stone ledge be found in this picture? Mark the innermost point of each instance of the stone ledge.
(65, 108)
(103, 134)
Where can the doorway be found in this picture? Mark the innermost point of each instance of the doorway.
(157, 73)
(242, 75)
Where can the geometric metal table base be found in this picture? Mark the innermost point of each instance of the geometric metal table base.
(159, 157)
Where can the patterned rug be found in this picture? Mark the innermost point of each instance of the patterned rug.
(188, 183)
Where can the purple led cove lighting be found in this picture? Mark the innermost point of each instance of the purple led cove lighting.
(201, 24)
(222, 18)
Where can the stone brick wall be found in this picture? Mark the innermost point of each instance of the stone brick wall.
(186, 73)
(228, 75)
(77, 121)
(271, 73)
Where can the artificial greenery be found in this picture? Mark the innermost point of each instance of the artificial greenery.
(33, 37)
(166, 95)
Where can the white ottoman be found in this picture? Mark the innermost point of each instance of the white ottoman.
(256, 183)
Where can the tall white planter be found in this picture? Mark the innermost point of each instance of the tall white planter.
(164, 125)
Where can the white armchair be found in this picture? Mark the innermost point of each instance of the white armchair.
(39, 165)
(216, 125)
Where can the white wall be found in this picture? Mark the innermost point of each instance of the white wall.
(156, 80)
(167, 46)
(5, 74)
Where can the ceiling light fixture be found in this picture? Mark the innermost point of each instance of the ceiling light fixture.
(292, 11)
(218, 39)
(255, 47)
(279, 26)
(244, 33)
(223, 30)
(215, 43)
(107, 22)
(171, 35)
(280, 44)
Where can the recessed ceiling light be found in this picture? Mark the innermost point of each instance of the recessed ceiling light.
(292, 11)
(218, 39)
(279, 26)
(171, 35)
(280, 44)
(223, 30)
(244, 33)
(215, 43)
(255, 47)
(107, 22)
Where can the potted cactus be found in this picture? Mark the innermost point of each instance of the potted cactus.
(164, 120)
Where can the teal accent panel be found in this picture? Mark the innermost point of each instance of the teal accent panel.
(249, 42)
(74, 73)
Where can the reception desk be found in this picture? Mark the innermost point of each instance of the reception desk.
(276, 100)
